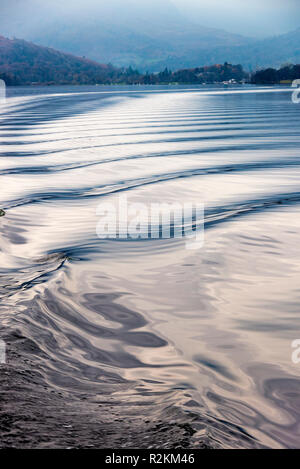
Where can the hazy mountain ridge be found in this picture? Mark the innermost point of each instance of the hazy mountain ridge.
(271, 52)
(143, 36)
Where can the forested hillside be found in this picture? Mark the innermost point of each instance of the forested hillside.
(24, 63)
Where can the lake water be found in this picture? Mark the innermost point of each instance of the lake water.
(207, 332)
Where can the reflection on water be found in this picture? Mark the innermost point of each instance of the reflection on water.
(207, 332)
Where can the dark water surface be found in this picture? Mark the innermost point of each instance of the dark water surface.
(206, 331)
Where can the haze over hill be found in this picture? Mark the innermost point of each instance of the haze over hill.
(146, 35)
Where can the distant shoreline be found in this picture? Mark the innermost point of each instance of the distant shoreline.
(113, 85)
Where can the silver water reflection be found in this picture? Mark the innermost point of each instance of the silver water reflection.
(207, 332)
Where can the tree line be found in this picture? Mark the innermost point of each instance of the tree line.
(271, 76)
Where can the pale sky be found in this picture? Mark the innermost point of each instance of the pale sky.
(253, 17)
(258, 18)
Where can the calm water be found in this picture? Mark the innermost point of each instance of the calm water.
(207, 332)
